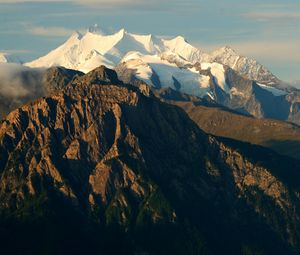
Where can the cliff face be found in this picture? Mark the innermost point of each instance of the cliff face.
(109, 164)
(248, 97)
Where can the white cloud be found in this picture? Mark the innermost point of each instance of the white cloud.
(110, 2)
(106, 4)
(136, 4)
(141, 5)
(84, 2)
(267, 16)
(49, 31)
(29, 1)
(13, 89)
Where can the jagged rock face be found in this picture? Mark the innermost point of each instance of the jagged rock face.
(246, 67)
(247, 97)
(250, 98)
(294, 100)
(125, 74)
(119, 156)
(241, 94)
(85, 126)
(56, 78)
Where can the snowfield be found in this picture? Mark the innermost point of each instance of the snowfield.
(158, 62)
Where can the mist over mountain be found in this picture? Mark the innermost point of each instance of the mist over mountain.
(18, 85)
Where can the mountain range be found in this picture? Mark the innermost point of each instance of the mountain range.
(213, 118)
(105, 167)
(280, 136)
(135, 144)
(84, 52)
(234, 81)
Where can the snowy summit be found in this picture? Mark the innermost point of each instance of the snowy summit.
(158, 62)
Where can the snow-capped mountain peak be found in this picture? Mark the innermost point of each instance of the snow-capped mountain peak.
(87, 51)
(245, 66)
(227, 48)
(76, 51)
(179, 39)
(8, 58)
(3, 58)
(75, 36)
(222, 75)
(185, 50)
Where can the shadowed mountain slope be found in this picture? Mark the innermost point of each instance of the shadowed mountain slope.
(280, 136)
(105, 167)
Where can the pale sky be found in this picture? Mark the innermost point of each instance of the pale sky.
(266, 30)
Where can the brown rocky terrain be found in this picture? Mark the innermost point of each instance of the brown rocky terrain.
(215, 119)
(280, 136)
(105, 167)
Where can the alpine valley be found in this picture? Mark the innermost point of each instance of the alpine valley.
(134, 144)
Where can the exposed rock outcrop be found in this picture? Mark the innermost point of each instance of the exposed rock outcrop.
(124, 161)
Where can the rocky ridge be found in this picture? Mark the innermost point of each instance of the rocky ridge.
(129, 165)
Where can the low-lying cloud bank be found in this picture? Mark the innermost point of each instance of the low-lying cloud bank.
(18, 85)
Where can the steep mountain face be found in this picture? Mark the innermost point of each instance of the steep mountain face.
(294, 100)
(158, 72)
(113, 169)
(215, 81)
(244, 66)
(57, 78)
(245, 95)
(282, 137)
(211, 117)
